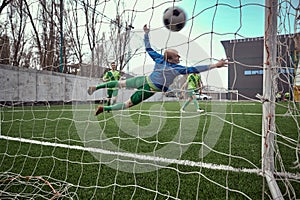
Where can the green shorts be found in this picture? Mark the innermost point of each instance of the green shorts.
(192, 92)
(144, 90)
(112, 93)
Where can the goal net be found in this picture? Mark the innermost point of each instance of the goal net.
(245, 145)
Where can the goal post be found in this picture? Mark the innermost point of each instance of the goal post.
(268, 106)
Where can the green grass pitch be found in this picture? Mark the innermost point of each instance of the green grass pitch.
(78, 174)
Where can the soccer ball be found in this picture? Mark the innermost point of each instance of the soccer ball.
(174, 18)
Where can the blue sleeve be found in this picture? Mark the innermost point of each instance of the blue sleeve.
(152, 53)
(189, 70)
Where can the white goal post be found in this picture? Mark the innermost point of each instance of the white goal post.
(268, 117)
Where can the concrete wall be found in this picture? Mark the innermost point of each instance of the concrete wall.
(28, 85)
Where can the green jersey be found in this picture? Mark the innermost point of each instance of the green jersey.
(194, 81)
(112, 75)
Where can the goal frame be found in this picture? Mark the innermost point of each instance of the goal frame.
(268, 101)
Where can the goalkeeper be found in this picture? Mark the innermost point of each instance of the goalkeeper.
(166, 69)
(112, 75)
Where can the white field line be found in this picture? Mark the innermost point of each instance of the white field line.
(135, 156)
(152, 158)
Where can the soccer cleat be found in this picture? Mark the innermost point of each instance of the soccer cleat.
(200, 111)
(91, 90)
(99, 110)
(181, 110)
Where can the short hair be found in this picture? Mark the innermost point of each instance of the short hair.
(113, 63)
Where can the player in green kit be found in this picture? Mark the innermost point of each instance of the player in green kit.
(112, 75)
(194, 85)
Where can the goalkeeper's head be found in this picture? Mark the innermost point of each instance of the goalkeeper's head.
(172, 56)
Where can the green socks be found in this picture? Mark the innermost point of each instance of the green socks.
(110, 84)
(187, 103)
(118, 106)
(196, 104)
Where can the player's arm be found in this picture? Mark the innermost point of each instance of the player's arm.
(189, 70)
(105, 77)
(200, 85)
(200, 68)
(219, 64)
(152, 53)
(118, 76)
(183, 87)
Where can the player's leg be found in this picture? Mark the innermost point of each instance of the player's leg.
(196, 102)
(140, 95)
(138, 82)
(114, 96)
(190, 98)
(109, 96)
(117, 106)
(134, 82)
(109, 84)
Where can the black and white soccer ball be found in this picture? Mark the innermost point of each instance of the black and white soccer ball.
(174, 18)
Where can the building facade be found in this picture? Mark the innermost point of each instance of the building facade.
(246, 74)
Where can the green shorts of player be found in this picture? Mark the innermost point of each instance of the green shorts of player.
(192, 92)
(143, 89)
(112, 93)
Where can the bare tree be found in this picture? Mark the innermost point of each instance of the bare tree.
(4, 44)
(47, 42)
(4, 4)
(120, 39)
(42, 49)
(101, 58)
(36, 34)
(43, 42)
(49, 36)
(74, 33)
(90, 17)
(17, 21)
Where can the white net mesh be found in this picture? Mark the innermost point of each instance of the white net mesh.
(52, 145)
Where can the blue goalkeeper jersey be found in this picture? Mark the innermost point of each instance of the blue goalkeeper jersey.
(164, 72)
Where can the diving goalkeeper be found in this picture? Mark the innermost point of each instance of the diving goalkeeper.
(166, 69)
